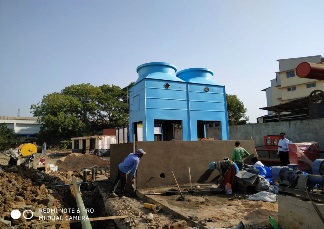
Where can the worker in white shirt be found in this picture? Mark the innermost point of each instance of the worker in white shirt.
(283, 150)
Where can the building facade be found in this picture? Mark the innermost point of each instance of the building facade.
(287, 86)
(23, 126)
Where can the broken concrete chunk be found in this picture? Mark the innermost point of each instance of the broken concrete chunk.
(179, 224)
(44, 201)
(5, 222)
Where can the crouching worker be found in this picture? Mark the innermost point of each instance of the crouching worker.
(128, 166)
(227, 170)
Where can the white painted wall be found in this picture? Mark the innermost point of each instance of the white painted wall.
(21, 125)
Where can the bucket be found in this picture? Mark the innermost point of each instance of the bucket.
(228, 189)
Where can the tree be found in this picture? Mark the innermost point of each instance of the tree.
(236, 110)
(59, 117)
(80, 110)
(113, 106)
(87, 96)
(8, 138)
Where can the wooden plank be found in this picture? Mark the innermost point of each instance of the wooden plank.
(108, 217)
(269, 160)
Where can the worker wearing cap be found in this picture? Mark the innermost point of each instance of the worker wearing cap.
(128, 166)
(283, 150)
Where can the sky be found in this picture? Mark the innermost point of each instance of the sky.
(47, 45)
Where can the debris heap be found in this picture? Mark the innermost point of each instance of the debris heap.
(77, 162)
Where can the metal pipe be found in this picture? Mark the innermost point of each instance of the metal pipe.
(310, 71)
(190, 180)
(316, 179)
(85, 222)
(318, 167)
(85, 174)
(94, 171)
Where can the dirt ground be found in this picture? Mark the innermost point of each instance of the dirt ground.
(220, 210)
(23, 188)
(27, 190)
(37, 190)
(204, 210)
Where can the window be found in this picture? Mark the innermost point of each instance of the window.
(290, 74)
(309, 85)
(292, 88)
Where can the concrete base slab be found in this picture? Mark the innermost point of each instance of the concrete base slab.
(296, 213)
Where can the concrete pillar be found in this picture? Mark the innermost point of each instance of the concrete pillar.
(87, 145)
(131, 133)
(193, 127)
(148, 130)
(186, 130)
(224, 130)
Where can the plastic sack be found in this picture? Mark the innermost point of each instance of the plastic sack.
(265, 171)
(264, 196)
(274, 189)
(262, 185)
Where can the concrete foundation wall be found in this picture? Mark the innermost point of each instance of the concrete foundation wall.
(177, 156)
(294, 213)
(117, 154)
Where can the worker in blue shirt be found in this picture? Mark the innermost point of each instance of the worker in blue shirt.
(128, 166)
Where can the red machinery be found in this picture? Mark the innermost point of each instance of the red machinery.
(308, 151)
(268, 152)
(271, 141)
(303, 154)
(316, 97)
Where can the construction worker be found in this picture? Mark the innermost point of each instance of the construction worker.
(238, 154)
(128, 166)
(227, 170)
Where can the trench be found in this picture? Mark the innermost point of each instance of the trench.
(98, 203)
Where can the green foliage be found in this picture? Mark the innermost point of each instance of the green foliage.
(65, 144)
(8, 138)
(113, 106)
(80, 110)
(236, 110)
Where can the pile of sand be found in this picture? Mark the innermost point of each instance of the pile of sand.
(77, 162)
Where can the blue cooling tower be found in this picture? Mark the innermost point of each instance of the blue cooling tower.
(162, 101)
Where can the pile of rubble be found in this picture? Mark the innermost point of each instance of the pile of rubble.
(77, 162)
(25, 190)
